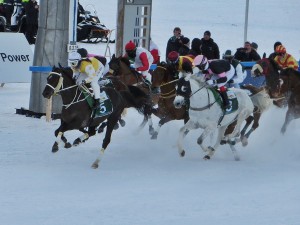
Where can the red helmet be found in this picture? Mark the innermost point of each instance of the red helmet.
(173, 56)
(280, 49)
(130, 46)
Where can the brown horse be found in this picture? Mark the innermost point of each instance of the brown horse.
(290, 85)
(270, 69)
(163, 77)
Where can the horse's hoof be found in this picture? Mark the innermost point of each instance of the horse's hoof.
(68, 145)
(231, 142)
(116, 127)
(244, 141)
(154, 136)
(122, 123)
(95, 165)
(182, 154)
(100, 130)
(76, 142)
(151, 130)
(55, 147)
(223, 142)
(207, 157)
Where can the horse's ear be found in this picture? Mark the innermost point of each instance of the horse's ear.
(113, 56)
(60, 66)
(264, 55)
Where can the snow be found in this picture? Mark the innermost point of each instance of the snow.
(145, 182)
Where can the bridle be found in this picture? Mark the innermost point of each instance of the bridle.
(59, 88)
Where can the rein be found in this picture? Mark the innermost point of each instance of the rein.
(204, 107)
(59, 88)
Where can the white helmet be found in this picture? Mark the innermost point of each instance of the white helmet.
(200, 61)
(74, 58)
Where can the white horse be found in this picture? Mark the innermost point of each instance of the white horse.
(206, 113)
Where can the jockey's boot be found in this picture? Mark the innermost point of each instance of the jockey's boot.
(96, 103)
(226, 103)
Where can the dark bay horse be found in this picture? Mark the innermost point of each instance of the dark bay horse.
(163, 77)
(120, 68)
(290, 85)
(270, 69)
(76, 113)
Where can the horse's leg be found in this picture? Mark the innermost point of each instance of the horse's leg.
(163, 120)
(289, 116)
(58, 135)
(206, 132)
(244, 138)
(67, 144)
(111, 122)
(150, 123)
(182, 133)
(82, 138)
(211, 150)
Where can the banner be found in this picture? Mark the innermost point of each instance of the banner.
(16, 57)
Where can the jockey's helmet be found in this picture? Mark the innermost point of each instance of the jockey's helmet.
(83, 52)
(130, 49)
(74, 58)
(173, 57)
(280, 49)
(200, 61)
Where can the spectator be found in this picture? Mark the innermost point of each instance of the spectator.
(154, 50)
(247, 53)
(195, 47)
(31, 12)
(239, 74)
(208, 47)
(142, 59)
(284, 59)
(185, 46)
(273, 54)
(174, 42)
(8, 7)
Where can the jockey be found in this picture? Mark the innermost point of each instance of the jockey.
(141, 58)
(284, 59)
(179, 61)
(87, 70)
(220, 67)
(239, 75)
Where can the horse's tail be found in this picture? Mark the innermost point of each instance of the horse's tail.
(138, 99)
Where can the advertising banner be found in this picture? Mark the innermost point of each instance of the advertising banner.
(16, 57)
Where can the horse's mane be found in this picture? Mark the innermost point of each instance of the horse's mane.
(289, 72)
(125, 60)
(274, 64)
(66, 71)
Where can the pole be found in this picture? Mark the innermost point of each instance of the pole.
(120, 28)
(246, 21)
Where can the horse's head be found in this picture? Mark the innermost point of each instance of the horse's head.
(183, 91)
(58, 77)
(289, 79)
(270, 69)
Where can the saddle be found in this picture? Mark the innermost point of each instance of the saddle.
(231, 98)
(103, 109)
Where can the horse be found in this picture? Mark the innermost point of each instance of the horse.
(206, 112)
(290, 85)
(271, 70)
(163, 78)
(120, 68)
(76, 113)
(262, 102)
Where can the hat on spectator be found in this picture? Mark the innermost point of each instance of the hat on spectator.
(207, 33)
(185, 40)
(227, 54)
(254, 45)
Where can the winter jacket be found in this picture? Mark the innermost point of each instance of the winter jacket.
(173, 45)
(244, 56)
(210, 49)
